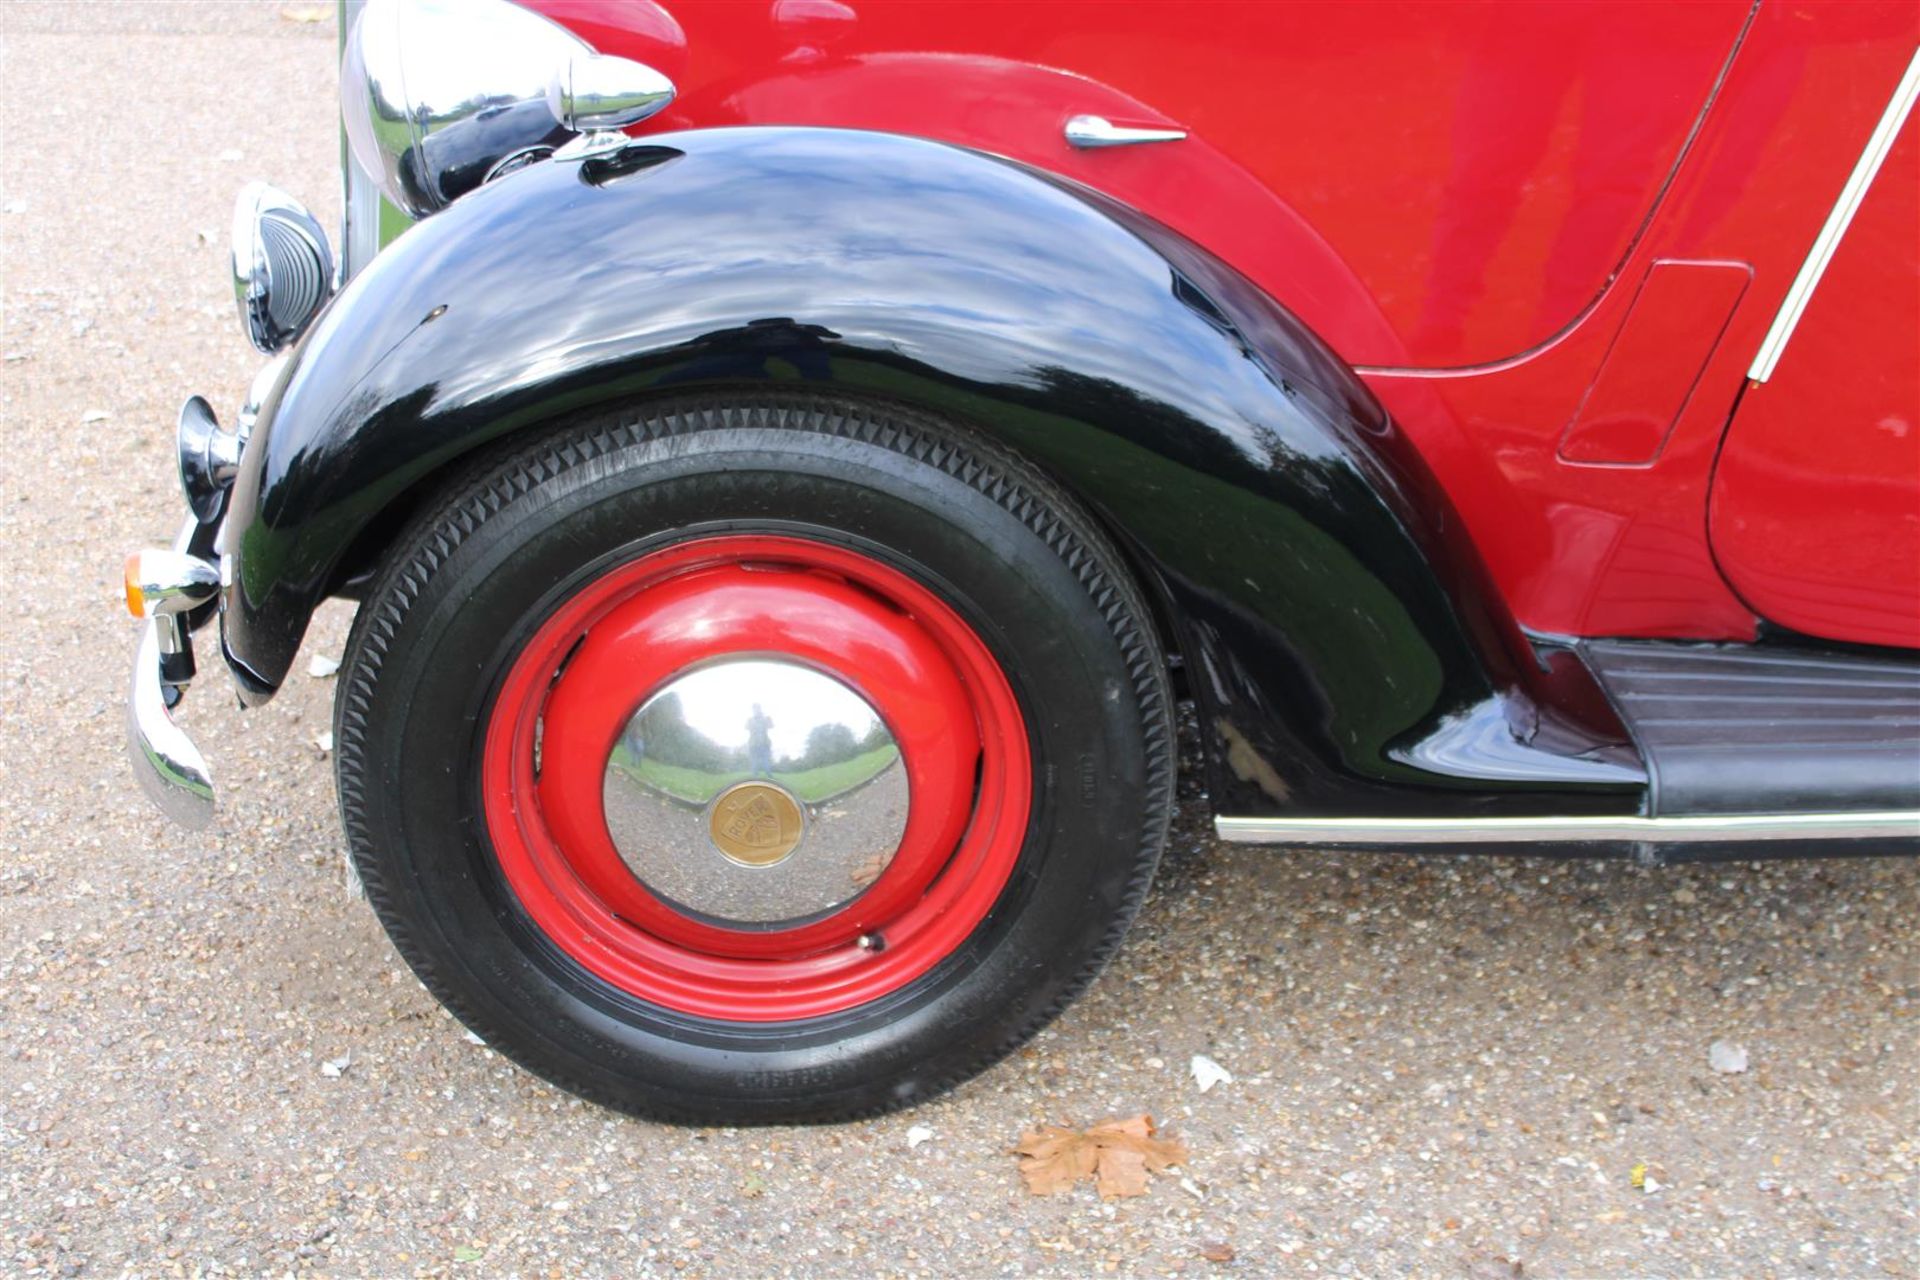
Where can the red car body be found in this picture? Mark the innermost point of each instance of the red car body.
(1550, 238)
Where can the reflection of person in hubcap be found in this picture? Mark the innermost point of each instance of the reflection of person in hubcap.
(760, 741)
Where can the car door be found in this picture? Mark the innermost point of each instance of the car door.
(1815, 505)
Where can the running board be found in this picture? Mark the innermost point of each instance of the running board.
(1742, 729)
(1744, 745)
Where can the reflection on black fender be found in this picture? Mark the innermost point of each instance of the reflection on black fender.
(1263, 488)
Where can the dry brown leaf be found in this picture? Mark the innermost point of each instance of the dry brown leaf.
(1217, 1251)
(1120, 1171)
(1117, 1155)
(1053, 1159)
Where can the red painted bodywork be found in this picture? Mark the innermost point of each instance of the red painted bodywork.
(1655, 362)
(1816, 502)
(1465, 201)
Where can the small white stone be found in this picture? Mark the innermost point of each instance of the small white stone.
(334, 1068)
(322, 666)
(1208, 1073)
(1726, 1057)
(917, 1135)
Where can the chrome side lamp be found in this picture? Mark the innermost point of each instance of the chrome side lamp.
(282, 266)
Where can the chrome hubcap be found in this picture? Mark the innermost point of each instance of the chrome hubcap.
(756, 791)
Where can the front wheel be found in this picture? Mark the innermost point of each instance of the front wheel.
(759, 759)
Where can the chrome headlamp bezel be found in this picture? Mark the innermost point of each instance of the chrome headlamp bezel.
(282, 266)
(435, 94)
(439, 96)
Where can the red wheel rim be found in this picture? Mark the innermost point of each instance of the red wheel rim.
(606, 648)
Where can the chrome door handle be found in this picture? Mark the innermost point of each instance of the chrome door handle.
(1098, 131)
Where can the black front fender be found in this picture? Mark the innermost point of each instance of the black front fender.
(1275, 506)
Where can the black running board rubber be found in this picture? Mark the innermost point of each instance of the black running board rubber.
(1748, 729)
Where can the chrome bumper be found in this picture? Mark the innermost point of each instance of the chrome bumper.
(171, 769)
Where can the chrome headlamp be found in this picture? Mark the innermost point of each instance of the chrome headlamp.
(438, 96)
(282, 267)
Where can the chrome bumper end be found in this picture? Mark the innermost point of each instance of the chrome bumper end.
(171, 769)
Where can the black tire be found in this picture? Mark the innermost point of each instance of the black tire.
(477, 571)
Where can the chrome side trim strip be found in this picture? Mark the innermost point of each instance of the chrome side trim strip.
(1416, 831)
(1828, 240)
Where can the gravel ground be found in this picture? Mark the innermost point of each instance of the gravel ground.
(1442, 1066)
